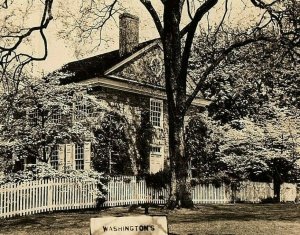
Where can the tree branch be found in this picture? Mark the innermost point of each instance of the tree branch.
(148, 5)
(201, 11)
(218, 60)
(8, 56)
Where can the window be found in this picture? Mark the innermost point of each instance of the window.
(81, 107)
(55, 115)
(54, 158)
(156, 150)
(79, 157)
(33, 117)
(156, 112)
(156, 159)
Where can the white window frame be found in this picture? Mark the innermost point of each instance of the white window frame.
(155, 114)
(81, 108)
(56, 115)
(34, 117)
(54, 158)
(79, 157)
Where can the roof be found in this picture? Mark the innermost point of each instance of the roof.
(96, 65)
(97, 70)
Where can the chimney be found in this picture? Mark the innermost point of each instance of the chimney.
(129, 33)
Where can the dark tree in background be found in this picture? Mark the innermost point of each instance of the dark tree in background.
(202, 147)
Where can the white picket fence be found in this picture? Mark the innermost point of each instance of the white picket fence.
(66, 194)
(129, 191)
(45, 195)
(253, 192)
(210, 194)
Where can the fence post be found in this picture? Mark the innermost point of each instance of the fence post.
(50, 190)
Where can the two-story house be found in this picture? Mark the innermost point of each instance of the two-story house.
(131, 79)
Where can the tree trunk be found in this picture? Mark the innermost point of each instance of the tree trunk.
(277, 180)
(180, 188)
(277, 186)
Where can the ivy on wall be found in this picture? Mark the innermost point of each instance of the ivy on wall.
(145, 134)
(111, 150)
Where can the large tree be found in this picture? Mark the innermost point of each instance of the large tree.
(276, 21)
(263, 151)
(255, 104)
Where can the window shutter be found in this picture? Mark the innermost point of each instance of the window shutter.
(73, 157)
(61, 157)
(25, 164)
(87, 156)
(37, 160)
(69, 156)
(48, 156)
(161, 114)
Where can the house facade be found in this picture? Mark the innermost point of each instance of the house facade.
(131, 81)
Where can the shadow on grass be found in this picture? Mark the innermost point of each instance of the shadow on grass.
(205, 213)
(242, 212)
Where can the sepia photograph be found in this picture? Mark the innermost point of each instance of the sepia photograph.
(149, 117)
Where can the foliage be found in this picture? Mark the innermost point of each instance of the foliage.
(43, 170)
(145, 134)
(158, 180)
(247, 80)
(251, 151)
(255, 102)
(40, 116)
(112, 150)
(6, 158)
(203, 150)
(268, 151)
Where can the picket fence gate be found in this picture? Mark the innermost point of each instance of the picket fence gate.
(66, 194)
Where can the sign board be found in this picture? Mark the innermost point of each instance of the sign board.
(129, 225)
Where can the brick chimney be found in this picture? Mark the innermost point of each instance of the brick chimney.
(129, 33)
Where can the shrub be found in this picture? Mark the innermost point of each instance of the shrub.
(159, 180)
(45, 171)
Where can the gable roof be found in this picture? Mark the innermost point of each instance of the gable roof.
(97, 65)
(97, 71)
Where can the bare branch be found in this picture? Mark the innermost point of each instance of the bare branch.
(91, 21)
(9, 59)
(201, 11)
(223, 18)
(154, 15)
(189, 9)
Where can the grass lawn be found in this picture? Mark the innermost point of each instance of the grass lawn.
(207, 219)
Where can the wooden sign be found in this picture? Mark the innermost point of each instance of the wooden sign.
(130, 225)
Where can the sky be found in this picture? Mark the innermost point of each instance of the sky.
(62, 50)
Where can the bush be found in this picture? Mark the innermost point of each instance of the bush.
(45, 171)
(159, 180)
(268, 200)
